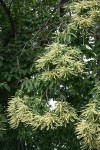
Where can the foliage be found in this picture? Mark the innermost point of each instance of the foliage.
(46, 57)
(2, 124)
(88, 128)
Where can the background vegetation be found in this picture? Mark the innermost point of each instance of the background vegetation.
(49, 51)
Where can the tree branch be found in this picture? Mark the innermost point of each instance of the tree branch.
(10, 18)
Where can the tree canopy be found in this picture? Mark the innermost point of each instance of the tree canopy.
(50, 52)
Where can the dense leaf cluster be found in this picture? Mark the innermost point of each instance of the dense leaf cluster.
(50, 58)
